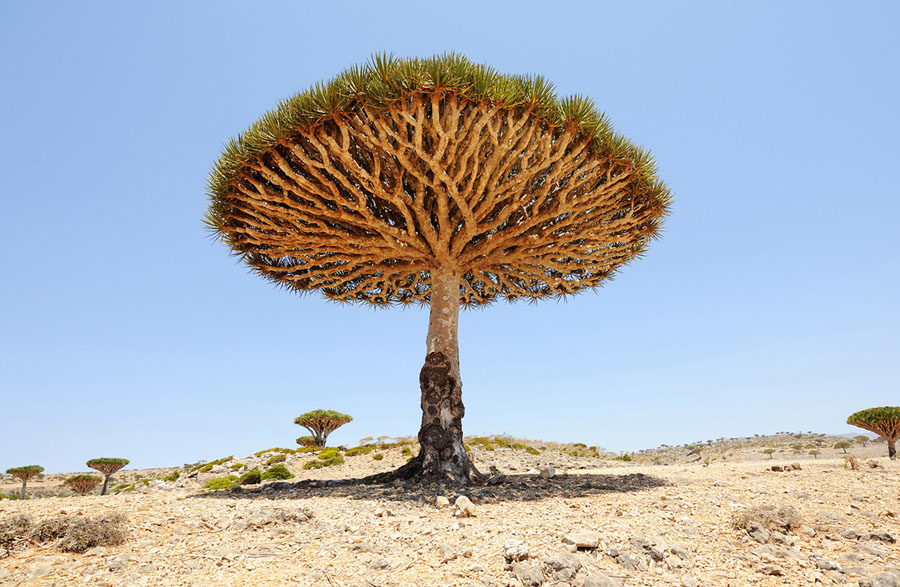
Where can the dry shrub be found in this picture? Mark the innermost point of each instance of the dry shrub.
(74, 534)
(52, 529)
(84, 533)
(851, 462)
(782, 518)
(14, 528)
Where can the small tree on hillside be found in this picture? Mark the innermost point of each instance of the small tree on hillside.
(815, 453)
(306, 441)
(321, 423)
(108, 466)
(24, 474)
(843, 445)
(884, 422)
(82, 484)
(861, 439)
(769, 451)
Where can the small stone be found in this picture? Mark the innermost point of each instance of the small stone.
(680, 551)
(758, 533)
(795, 466)
(529, 575)
(496, 479)
(688, 581)
(441, 502)
(379, 564)
(770, 570)
(515, 550)
(880, 580)
(807, 531)
(547, 472)
(41, 572)
(777, 468)
(583, 539)
(824, 564)
(631, 562)
(601, 580)
(96, 551)
(563, 566)
(464, 507)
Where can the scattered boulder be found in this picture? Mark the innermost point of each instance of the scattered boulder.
(379, 564)
(529, 575)
(880, 580)
(441, 502)
(547, 472)
(464, 507)
(824, 564)
(515, 550)
(562, 566)
(601, 580)
(769, 569)
(583, 539)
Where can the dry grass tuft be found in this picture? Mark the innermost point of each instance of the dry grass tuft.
(73, 534)
(783, 518)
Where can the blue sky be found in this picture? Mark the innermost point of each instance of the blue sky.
(769, 304)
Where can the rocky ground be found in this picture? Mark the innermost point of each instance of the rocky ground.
(590, 521)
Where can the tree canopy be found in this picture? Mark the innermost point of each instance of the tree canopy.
(321, 423)
(82, 484)
(25, 473)
(884, 421)
(360, 187)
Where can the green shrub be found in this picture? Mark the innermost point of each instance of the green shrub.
(532, 451)
(279, 458)
(406, 451)
(172, 477)
(238, 466)
(360, 450)
(625, 457)
(307, 449)
(252, 477)
(278, 472)
(328, 458)
(378, 456)
(221, 483)
(207, 467)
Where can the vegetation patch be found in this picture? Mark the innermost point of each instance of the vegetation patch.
(279, 472)
(360, 450)
(71, 533)
(172, 477)
(207, 467)
(221, 483)
(253, 477)
(378, 456)
(330, 457)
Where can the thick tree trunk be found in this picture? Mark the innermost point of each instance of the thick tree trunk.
(442, 456)
(22, 495)
(892, 449)
(105, 484)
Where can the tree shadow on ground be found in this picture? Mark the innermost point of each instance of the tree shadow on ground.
(514, 488)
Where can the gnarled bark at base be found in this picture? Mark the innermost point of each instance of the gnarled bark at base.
(892, 449)
(442, 457)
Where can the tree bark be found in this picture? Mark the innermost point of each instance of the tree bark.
(442, 456)
(22, 495)
(105, 484)
(892, 449)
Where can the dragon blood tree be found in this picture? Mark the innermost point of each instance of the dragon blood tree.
(884, 422)
(321, 423)
(82, 484)
(435, 181)
(108, 466)
(25, 473)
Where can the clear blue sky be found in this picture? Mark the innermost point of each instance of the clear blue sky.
(770, 303)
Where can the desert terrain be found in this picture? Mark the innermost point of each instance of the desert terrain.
(714, 513)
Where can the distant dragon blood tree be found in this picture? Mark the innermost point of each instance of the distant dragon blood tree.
(108, 466)
(321, 423)
(436, 181)
(82, 484)
(24, 474)
(884, 421)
